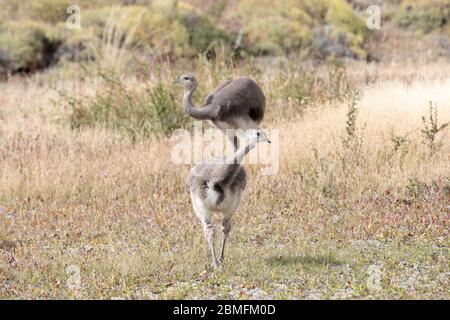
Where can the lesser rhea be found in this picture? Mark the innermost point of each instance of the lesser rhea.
(234, 104)
(217, 185)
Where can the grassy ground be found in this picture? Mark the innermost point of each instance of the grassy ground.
(90, 214)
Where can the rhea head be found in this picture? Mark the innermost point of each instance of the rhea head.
(188, 81)
(253, 136)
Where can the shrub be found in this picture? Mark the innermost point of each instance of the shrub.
(431, 129)
(166, 115)
(165, 27)
(401, 145)
(28, 45)
(309, 85)
(288, 27)
(77, 45)
(137, 114)
(415, 188)
(352, 138)
(352, 154)
(343, 32)
(111, 35)
(162, 30)
(423, 16)
(203, 35)
(283, 28)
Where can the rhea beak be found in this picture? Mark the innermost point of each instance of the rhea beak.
(176, 81)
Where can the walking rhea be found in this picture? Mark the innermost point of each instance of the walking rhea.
(234, 104)
(217, 185)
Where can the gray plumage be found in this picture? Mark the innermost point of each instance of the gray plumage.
(234, 104)
(218, 177)
(217, 185)
(237, 99)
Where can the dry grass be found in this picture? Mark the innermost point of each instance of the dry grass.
(119, 211)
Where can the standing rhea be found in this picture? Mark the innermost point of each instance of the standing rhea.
(234, 104)
(217, 185)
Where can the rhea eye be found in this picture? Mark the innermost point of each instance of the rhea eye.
(257, 134)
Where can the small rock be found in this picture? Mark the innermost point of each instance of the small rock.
(72, 251)
(374, 243)
(256, 293)
(444, 277)
(343, 293)
(314, 295)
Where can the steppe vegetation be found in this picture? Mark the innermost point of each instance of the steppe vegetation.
(92, 207)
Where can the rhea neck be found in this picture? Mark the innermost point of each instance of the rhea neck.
(242, 152)
(187, 100)
(197, 113)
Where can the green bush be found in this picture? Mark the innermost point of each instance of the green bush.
(135, 114)
(162, 30)
(289, 25)
(76, 45)
(203, 35)
(166, 27)
(28, 45)
(284, 27)
(310, 85)
(165, 113)
(432, 128)
(32, 31)
(341, 15)
(178, 25)
(415, 188)
(423, 16)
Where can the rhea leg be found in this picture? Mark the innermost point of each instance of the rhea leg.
(209, 234)
(226, 227)
(205, 217)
